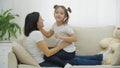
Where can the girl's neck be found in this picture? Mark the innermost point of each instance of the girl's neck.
(59, 23)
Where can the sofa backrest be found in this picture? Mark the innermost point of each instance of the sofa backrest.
(88, 39)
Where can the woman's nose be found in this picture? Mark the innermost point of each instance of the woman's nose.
(43, 20)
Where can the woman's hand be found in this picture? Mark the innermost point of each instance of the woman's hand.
(58, 36)
(64, 44)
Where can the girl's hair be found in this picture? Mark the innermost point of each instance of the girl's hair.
(66, 12)
(31, 23)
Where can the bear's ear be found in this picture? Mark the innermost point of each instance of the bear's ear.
(118, 28)
(105, 43)
(116, 32)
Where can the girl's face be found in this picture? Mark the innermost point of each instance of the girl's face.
(59, 14)
(40, 22)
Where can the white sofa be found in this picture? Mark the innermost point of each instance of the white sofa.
(88, 39)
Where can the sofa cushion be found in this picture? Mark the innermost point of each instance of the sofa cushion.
(88, 38)
(20, 40)
(92, 66)
(22, 55)
(12, 61)
(27, 66)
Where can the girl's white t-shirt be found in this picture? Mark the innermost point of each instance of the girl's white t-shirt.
(64, 30)
(31, 46)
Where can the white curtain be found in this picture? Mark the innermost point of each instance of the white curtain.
(90, 13)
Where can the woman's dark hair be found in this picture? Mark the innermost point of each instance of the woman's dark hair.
(31, 23)
(66, 12)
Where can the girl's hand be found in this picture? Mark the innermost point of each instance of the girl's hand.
(40, 25)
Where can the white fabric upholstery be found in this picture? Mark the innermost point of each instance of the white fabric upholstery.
(27, 66)
(22, 55)
(12, 60)
(88, 39)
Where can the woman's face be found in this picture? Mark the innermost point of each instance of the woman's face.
(40, 22)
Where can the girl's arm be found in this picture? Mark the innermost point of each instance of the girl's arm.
(70, 38)
(47, 34)
(49, 52)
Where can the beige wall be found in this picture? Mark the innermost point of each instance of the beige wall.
(85, 12)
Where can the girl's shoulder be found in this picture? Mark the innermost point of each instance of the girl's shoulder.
(67, 26)
(54, 25)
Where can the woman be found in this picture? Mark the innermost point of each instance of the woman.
(37, 47)
(34, 42)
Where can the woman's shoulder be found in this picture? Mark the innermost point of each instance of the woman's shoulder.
(36, 33)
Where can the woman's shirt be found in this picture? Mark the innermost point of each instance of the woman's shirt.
(31, 46)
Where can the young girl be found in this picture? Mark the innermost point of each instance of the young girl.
(63, 32)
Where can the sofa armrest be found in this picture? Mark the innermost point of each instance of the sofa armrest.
(12, 61)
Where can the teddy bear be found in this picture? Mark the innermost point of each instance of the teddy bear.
(112, 42)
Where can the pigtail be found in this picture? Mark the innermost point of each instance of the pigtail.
(69, 9)
(55, 6)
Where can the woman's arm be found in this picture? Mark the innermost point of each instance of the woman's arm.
(70, 38)
(49, 52)
(47, 34)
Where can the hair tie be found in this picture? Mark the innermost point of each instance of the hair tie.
(69, 9)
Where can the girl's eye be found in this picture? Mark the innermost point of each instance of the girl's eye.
(56, 12)
(61, 13)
